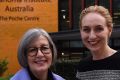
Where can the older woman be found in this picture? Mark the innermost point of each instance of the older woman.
(95, 29)
(36, 53)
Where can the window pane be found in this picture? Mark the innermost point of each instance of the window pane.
(116, 12)
(76, 44)
(89, 3)
(105, 3)
(63, 15)
(76, 12)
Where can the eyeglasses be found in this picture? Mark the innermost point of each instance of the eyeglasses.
(32, 51)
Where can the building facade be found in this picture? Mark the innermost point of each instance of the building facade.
(67, 39)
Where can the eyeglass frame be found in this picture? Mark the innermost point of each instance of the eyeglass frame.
(36, 49)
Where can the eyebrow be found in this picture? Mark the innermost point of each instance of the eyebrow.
(32, 46)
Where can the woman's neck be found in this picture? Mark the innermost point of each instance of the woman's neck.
(42, 75)
(101, 54)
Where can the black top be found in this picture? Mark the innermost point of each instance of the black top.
(104, 69)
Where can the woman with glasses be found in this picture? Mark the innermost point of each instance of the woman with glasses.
(36, 54)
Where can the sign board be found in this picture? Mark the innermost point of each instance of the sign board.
(17, 16)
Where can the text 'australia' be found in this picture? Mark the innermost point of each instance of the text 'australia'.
(26, 8)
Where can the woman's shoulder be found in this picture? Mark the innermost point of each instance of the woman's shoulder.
(118, 52)
(57, 77)
(21, 75)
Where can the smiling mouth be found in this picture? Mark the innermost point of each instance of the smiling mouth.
(92, 42)
(40, 61)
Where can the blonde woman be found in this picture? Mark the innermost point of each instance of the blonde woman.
(96, 28)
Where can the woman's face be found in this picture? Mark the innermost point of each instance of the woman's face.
(39, 55)
(95, 32)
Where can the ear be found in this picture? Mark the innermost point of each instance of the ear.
(110, 31)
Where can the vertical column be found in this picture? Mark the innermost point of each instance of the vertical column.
(111, 5)
(96, 2)
(82, 4)
(70, 14)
